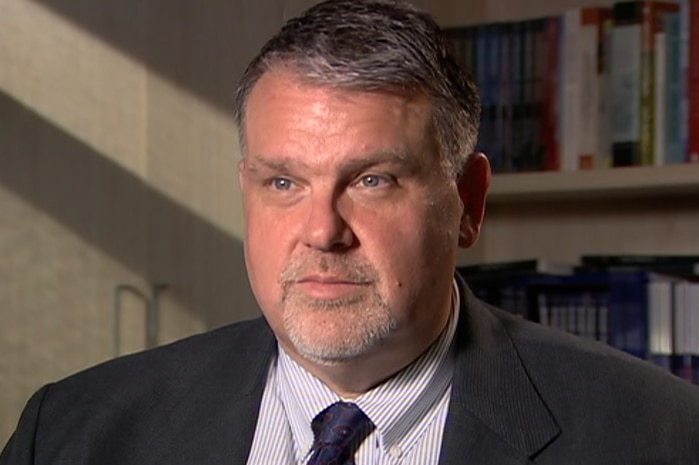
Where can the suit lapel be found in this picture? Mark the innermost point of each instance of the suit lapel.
(215, 422)
(495, 413)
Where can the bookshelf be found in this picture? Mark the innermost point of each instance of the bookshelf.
(638, 182)
(558, 216)
(561, 215)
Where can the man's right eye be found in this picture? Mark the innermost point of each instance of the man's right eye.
(282, 184)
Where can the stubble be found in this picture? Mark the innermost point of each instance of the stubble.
(337, 330)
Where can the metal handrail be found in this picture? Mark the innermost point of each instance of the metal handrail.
(151, 313)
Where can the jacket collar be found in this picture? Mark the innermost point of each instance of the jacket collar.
(218, 415)
(495, 414)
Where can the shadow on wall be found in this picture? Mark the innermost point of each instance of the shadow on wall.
(201, 46)
(121, 215)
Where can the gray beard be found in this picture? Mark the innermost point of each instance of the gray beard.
(368, 322)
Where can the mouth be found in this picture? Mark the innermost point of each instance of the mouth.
(329, 287)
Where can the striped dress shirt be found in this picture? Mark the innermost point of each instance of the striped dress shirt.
(409, 410)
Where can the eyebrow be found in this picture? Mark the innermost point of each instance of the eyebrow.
(273, 163)
(285, 164)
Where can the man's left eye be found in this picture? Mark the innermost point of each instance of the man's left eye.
(372, 180)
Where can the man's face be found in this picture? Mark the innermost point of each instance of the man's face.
(351, 224)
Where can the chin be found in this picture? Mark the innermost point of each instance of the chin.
(339, 338)
(334, 354)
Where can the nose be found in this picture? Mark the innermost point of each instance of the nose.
(325, 228)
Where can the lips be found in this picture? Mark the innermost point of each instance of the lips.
(329, 287)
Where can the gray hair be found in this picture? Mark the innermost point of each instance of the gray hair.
(375, 45)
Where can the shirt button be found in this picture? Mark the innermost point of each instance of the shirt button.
(395, 452)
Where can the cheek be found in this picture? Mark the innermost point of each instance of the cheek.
(407, 245)
(420, 245)
(265, 251)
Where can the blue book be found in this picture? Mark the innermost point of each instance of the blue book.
(674, 146)
(629, 311)
(504, 101)
(494, 77)
(516, 91)
(610, 306)
(481, 46)
(684, 76)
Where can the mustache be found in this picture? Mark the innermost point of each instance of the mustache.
(340, 266)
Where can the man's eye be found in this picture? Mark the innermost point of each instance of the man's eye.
(282, 184)
(372, 180)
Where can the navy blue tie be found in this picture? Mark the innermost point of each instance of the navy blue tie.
(338, 430)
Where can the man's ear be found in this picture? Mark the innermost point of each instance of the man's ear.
(473, 187)
(241, 173)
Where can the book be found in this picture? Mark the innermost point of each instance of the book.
(508, 285)
(550, 128)
(632, 79)
(686, 334)
(581, 66)
(659, 103)
(536, 146)
(693, 82)
(674, 97)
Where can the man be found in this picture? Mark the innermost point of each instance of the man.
(359, 184)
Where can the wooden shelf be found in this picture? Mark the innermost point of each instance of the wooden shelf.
(631, 182)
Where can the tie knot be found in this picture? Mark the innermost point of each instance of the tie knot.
(338, 430)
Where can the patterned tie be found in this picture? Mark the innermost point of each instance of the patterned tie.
(338, 430)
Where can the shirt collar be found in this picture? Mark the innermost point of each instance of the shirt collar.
(393, 406)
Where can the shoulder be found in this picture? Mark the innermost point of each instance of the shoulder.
(223, 350)
(233, 359)
(591, 386)
(607, 404)
(575, 357)
(117, 407)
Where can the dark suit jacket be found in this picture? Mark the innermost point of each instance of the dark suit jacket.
(521, 394)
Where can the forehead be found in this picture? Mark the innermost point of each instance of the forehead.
(286, 113)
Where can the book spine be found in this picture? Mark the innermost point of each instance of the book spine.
(571, 68)
(604, 149)
(505, 101)
(526, 146)
(674, 152)
(517, 80)
(660, 337)
(659, 105)
(481, 75)
(626, 83)
(684, 79)
(632, 291)
(693, 83)
(496, 72)
(653, 14)
(647, 114)
(590, 45)
(549, 124)
(536, 134)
